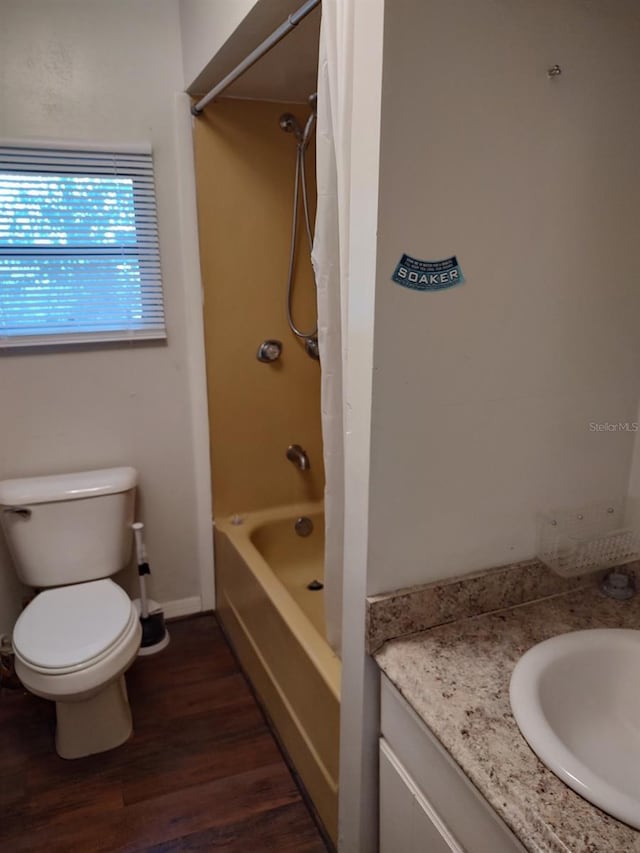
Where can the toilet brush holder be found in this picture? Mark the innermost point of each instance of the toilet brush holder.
(155, 636)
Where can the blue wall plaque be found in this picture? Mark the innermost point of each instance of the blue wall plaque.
(427, 275)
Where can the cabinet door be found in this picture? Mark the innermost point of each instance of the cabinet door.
(408, 824)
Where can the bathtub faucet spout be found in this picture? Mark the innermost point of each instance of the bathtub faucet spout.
(298, 456)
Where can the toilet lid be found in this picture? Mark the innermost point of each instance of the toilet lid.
(70, 625)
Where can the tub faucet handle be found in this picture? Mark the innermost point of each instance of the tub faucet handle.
(269, 351)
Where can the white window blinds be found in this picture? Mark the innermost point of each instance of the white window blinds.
(79, 256)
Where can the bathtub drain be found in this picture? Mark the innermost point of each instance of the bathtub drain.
(303, 526)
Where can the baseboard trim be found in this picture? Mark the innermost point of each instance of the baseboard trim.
(181, 607)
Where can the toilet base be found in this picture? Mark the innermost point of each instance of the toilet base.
(97, 724)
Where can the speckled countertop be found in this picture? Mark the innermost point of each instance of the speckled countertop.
(456, 677)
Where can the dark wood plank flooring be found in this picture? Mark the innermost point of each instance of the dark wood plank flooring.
(202, 772)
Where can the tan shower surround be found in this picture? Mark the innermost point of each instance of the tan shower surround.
(245, 167)
(244, 172)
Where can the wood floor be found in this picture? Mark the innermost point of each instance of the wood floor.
(202, 771)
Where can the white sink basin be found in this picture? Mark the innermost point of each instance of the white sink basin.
(576, 699)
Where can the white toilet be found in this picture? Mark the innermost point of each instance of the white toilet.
(74, 641)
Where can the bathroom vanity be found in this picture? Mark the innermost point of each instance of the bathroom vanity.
(455, 772)
(426, 802)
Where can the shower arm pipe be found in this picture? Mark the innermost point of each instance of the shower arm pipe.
(271, 41)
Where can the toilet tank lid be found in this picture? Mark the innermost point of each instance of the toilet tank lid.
(67, 487)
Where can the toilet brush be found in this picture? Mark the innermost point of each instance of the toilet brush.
(154, 632)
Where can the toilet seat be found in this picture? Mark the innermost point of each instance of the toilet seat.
(67, 629)
(84, 680)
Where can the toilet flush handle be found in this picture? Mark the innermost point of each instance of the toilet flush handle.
(22, 511)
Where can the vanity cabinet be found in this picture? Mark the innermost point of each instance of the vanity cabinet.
(427, 804)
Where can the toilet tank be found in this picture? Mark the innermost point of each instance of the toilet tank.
(69, 528)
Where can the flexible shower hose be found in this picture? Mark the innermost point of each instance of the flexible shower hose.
(300, 179)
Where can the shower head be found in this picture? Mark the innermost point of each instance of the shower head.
(289, 123)
(308, 128)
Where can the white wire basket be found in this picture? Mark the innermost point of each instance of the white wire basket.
(577, 541)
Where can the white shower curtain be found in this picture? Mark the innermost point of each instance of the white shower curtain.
(330, 263)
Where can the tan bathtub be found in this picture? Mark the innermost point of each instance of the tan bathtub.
(277, 628)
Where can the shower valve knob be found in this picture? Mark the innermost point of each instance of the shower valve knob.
(269, 351)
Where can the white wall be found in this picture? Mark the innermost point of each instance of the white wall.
(206, 25)
(633, 492)
(85, 69)
(483, 394)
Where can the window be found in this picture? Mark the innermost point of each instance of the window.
(79, 257)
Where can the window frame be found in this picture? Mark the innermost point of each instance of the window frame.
(133, 161)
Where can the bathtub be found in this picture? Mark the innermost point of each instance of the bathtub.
(276, 626)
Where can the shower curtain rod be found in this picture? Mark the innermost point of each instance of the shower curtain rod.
(277, 35)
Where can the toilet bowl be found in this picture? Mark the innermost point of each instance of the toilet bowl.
(77, 637)
(72, 646)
